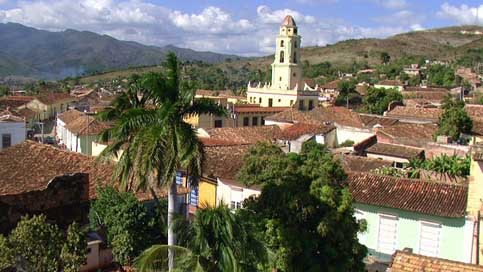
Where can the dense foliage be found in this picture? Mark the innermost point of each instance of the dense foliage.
(455, 119)
(304, 213)
(377, 100)
(35, 245)
(441, 75)
(215, 240)
(347, 94)
(130, 227)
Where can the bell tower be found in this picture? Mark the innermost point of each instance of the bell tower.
(286, 68)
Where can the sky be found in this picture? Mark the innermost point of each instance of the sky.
(241, 27)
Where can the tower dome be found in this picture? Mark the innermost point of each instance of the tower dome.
(289, 21)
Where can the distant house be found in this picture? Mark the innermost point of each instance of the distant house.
(415, 114)
(407, 261)
(47, 106)
(390, 84)
(410, 134)
(77, 131)
(12, 129)
(400, 155)
(295, 136)
(353, 163)
(412, 70)
(429, 217)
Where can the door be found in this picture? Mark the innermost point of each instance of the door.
(270, 102)
(429, 237)
(387, 238)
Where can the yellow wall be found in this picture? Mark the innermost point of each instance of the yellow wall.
(475, 187)
(206, 193)
(48, 111)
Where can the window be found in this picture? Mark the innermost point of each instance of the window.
(295, 31)
(262, 121)
(260, 100)
(429, 237)
(282, 55)
(295, 43)
(311, 104)
(279, 100)
(387, 237)
(6, 140)
(291, 102)
(255, 121)
(294, 74)
(270, 102)
(280, 78)
(399, 165)
(218, 123)
(246, 121)
(294, 57)
(236, 198)
(301, 105)
(281, 43)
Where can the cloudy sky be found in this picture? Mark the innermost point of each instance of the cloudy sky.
(243, 27)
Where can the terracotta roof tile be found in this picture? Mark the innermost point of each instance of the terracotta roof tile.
(353, 163)
(86, 125)
(474, 111)
(410, 133)
(340, 115)
(224, 161)
(334, 84)
(390, 82)
(433, 198)
(430, 96)
(30, 166)
(413, 113)
(370, 120)
(409, 262)
(26, 113)
(245, 135)
(400, 151)
(427, 89)
(297, 130)
(52, 98)
(10, 116)
(69, 116)
(14, 101)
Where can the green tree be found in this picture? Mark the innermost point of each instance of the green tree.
(7, 259)
(455, 119)
(36, 244)
(377, 100)
(149, 128)
(441, 75)
(217, 240)
(74, 251)
(130, 228)
(385, 58)
(304, 213)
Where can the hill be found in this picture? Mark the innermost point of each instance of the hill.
(451, 43)
(27, 51)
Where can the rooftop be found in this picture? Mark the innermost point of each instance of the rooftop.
(423, 114)
(370, 120)
(255, 108)
(245, 135)
(10, 116)
(69, 116)
(14, 101)
(353, 163)
(297, 130)
(289, 21)
(410, 133)
(409, 262)
(388, 82)
(393, 150)
(86, 125)
(224, 161)
(433, 198)
(340, 115)
(52, 98)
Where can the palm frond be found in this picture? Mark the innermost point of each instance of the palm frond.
(155, 259)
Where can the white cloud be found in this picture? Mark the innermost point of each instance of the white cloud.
(212, 29)
(391, 4)
(462, 14)
(401, 18)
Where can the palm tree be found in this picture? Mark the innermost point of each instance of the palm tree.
(151, 138)
(216, 240)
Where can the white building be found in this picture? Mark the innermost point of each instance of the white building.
(12, 129)
(287, 89)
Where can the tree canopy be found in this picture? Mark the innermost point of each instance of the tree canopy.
(377, 100)
(455, 119)
(304, 214)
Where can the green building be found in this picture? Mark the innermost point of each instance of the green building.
(427, 217)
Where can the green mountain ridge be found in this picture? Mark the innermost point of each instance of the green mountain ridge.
(27, 51)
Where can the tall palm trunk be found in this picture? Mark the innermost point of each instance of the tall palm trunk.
(171, 212)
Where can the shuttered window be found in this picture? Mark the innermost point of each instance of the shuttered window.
(236, 198)
(387, 237)
(429, 237)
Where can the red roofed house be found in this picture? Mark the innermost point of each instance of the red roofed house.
(12, 129)
(49, 104)
(428, 217)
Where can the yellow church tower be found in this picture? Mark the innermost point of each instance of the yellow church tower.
(287, 88)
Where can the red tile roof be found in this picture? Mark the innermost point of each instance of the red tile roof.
(393, 150)
(409, 262)
(390, 82)
(14, 101)
(370, 120)
(86, 125)
(433, 198)
(414, 113)
(52, 98)
(245, 135)
(410, 133)
(224, 161)
(297, 130)
(353, 163)
(340, 115)
(69, 116)
(474, 111)
(30, 166)
(427, 89)
(10, 116)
